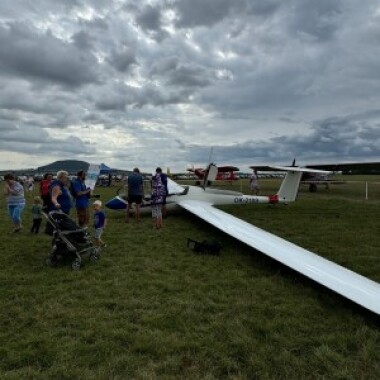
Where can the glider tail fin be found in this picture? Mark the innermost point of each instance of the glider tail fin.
(289, 187)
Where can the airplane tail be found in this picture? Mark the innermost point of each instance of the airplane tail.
(289, 186)
(210, 174)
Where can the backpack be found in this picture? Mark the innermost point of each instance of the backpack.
(206, 247)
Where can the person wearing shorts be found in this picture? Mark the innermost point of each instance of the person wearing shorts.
(99, 223)
(82, 198)
(164, 180)
(158, 193)
(135, 193)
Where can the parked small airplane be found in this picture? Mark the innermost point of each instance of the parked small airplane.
(225, 173)
(309, 178)
(200, 201)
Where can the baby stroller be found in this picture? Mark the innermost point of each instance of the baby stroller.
(69, 240)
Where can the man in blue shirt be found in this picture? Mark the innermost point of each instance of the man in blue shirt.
(82, 195)
(135, 193)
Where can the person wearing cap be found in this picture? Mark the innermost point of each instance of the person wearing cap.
(135, 193)
(100, 222)
(14, 193)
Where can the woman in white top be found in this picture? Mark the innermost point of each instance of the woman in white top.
(14, 193)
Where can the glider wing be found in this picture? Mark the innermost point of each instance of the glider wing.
(345, 282)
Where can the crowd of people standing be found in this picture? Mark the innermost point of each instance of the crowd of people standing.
(64, 194)
(54, 194)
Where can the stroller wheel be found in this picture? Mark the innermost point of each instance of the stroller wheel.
(76, 264)
(95, 254)
(51, 260)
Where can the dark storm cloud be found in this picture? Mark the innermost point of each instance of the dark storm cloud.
(83, 40)
(207, 13)
(335, 139)
(120, 97)
(149, 18)
(256, 79)
(176, 73)
(6, 125)
(204, 12)
(123, 58)
(34, 140)
(35, 55)
(20, 97)
(23, 134)
(35, 8)
(96, 23)
(318, 20)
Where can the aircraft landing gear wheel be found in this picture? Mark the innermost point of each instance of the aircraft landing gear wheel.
(76, 264)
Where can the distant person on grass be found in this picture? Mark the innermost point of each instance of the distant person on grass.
(14, 193)
(254, 184)
(82, 195)
(135, 193)
(30, 184)
(36, 214)
(100, 222)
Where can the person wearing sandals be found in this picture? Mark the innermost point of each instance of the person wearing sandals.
(14, 193)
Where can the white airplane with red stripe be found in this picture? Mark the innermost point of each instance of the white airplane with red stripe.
(200, 201)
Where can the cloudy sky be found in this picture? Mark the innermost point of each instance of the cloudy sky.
(147, 83)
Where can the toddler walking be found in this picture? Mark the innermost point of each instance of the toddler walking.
(36, 215)
(100, 222)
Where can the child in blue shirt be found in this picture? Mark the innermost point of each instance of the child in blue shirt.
(100, 222)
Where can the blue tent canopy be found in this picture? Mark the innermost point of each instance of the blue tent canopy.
(104, 169)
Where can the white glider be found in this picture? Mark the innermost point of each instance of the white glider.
(200, 202)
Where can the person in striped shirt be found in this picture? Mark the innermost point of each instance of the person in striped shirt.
(14, 193)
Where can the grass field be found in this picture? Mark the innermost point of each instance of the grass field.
(151, 309)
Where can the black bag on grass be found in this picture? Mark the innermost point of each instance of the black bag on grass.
(206, 247)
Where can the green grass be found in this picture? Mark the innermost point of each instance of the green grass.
(151, 309)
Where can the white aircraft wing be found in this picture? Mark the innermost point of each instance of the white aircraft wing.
(300, 169)
(347, 283)
(174, 188)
